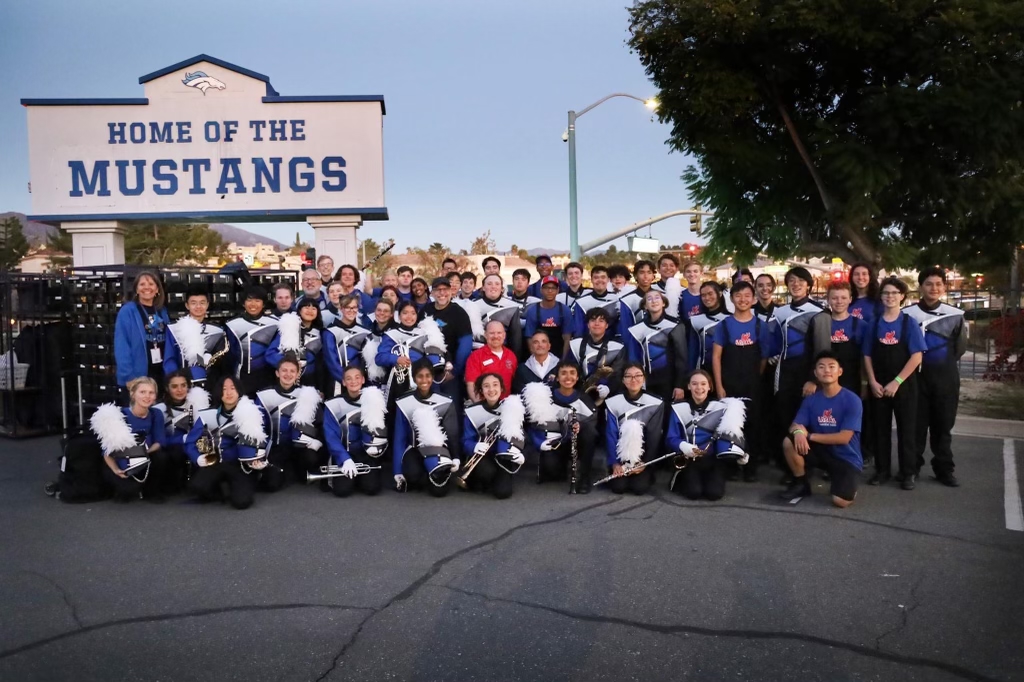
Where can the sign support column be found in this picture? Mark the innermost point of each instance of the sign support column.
(96, 242)
(335, 236)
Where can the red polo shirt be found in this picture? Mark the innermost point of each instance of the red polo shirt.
(485, 361)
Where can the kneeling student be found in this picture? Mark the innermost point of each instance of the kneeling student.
(292, 411)
(355, 435)
(827, 431)
(426, 441)
(708, 434)
(634, 433)
(493, 431)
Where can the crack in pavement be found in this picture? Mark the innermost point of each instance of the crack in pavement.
(657, 628)
(712, 506)
(912, 604)
(436, 567)
(65, 595)
(197, 613)
(630, 508)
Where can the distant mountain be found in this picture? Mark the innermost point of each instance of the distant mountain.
(36, 232)
(546, 252)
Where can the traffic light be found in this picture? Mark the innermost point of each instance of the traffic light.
(695, 222)
(310, 258)
(838, 276)
(691, 249)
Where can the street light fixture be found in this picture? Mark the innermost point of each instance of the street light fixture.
(570, 136)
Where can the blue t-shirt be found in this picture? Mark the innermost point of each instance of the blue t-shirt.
(890, 334)
(730, 332)
(820, 414)
(850, 330)
(689, 305)
(864, 308)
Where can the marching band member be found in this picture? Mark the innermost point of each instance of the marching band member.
(311, 291)
(493, 431)
(552, 426)
(383, 322)
(249, 336)
(702, 325)
(404, 283)
(325, 267)
(426, 442)
(544, 269)
(668, 266)
(494, 357)
(355, 433)
(132, 440)
(345, 340)
(892, 354)
(847, 336)
(334, 294)
(598, 297)
(659, 345)
(865, 305)
(491, 266)
(457, 329)
(826, 434)
(631, 304)
(599, 357)
(291, 412)
(574, 289)
(182, 402)
(633, 433)
(226, 446)
(284, 299)
(619, 276)
(492, 305)
(553, 318)
(764, 286)
(194, 343)
(140, 331)
(945, 341)
(467, 291)
(420, 293)
(708, 434)
(801, 331)
(520, 294)
(739, 358)
(540, 366)
(404, 345)
(349, 277)
(689, 304)
(300, 333)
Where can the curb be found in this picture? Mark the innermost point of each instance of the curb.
(988, 428)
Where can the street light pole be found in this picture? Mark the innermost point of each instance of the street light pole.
(574, 241)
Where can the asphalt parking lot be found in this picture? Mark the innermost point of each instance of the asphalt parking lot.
(922, 585)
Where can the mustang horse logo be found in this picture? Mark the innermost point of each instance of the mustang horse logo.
(200, 81)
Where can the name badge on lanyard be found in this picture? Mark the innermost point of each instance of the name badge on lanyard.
(155, 356)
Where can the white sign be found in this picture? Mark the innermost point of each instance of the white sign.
(209, 141)
(248, 259)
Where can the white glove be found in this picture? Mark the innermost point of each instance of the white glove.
(376, 446)
(517, 457)
(349, 469)
(602, 391)
(205, 357)
(309, 443)
(456, 464)
(481, 449)
(400, 484)
(551, 442)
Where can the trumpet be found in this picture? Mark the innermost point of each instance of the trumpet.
(333, 471)
(460, 480)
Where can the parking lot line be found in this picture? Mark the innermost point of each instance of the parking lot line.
(1011, 486)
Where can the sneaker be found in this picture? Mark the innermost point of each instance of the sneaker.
(909, 482)
(51, 489)
(879, 479)
(796, 489)
(787, 479)
(947, 479)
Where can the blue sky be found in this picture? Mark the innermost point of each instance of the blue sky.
(476, 92)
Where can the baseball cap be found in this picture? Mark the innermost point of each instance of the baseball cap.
(549, 280)
(440, 282)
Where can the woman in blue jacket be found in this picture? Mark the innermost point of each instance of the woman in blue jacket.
(139, 332)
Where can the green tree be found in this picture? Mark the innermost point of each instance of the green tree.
(430, 259)
(172, 244)
(864, 129)
(483, 244)
(59, 241)
(372, 249)
(13, 245)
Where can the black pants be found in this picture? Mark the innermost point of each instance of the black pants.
(702, 478)
(638, 484)
(937, 401)
(792, 378)
(555, 463)
(177, 470)
(207, 484)
(904, 407)
(487, 476)
(416, 475)
(126, 489)
(369, 484)
(752, 430)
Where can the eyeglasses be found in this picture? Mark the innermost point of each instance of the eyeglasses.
(633, 377)
(352, 307)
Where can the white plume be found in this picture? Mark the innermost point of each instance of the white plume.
(189, 335)
(435, 339)
(733, 418)
(288, 331)
(674, 294)
(428, 428)
(369, 353)
(198, 398)
(512, 411)
(307, 399)
(373, 410)
(249, 419)
(539, 405)
(110, 426)
(475, 315)
(630, 448)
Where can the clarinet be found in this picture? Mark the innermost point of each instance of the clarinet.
(573, 451)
